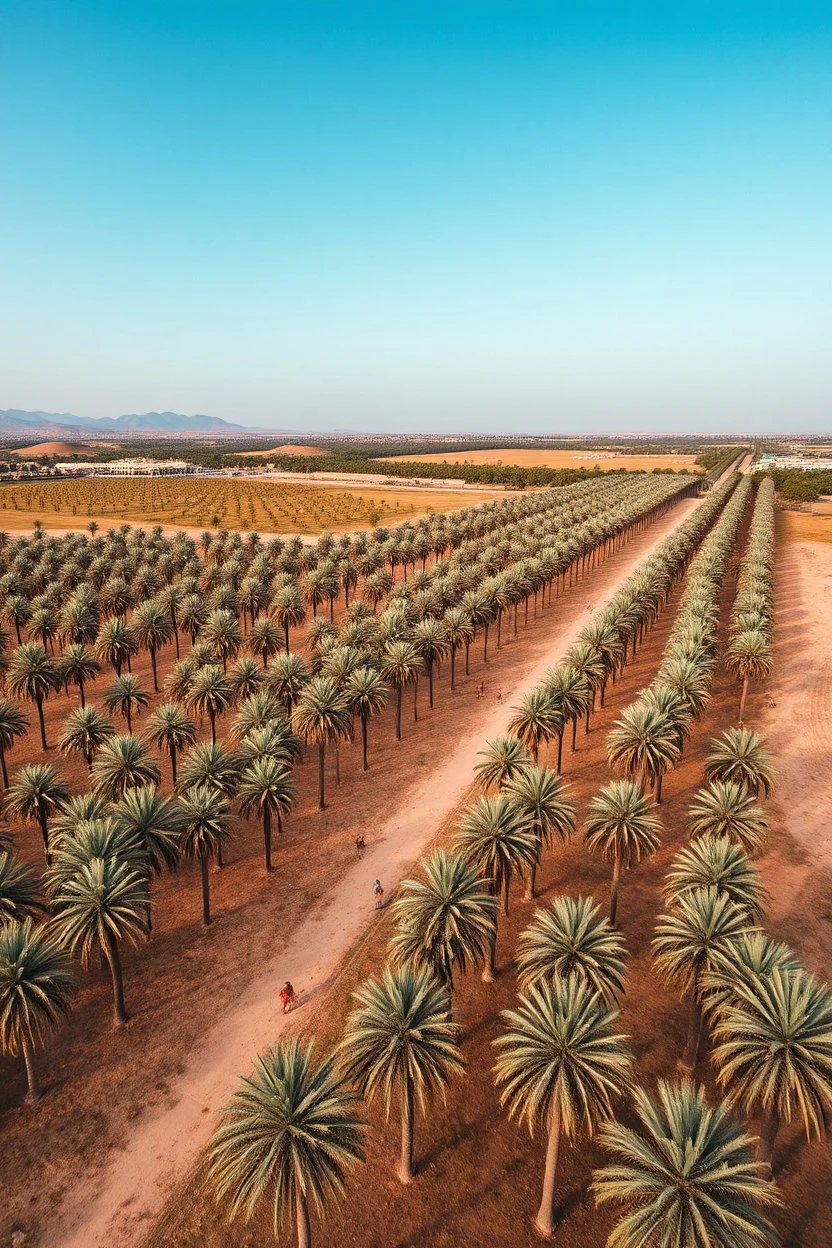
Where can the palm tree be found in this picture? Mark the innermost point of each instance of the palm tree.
(499, 840)
(560, 1066)
(539, 794)
(14, 723)
(154, 821)
(18, 890)
(773, 1051)
(402, 1043)
(445, 921)
(537, 720)
(287, 679)
(261, 710)
(689, 938)
(221, 632)
(126, 695)
(16, 610)
(690, 679)
(101, 903)
(714, 862)
(211, 694)
(588, 662)
(76, 667)
(366, 694)
(622, 828)
(749, 657)
(153, 628)
(35, 991)
(211, 764)
(460, 632)
(751, 956)
(116, 644)
(123, 763)
(245, 677)
(645, 743)
(206, 826)
(288, 610)
(264, 640)
(34, 795)
(322, 717)
(430, 637)
(739, 757)
(401, 665)
(572, 691)
(572, 937)
(690, 1174)
(170, 729)
(725, 809)
(33, 675)
(503, 759)
(85, 731)
(291, 1127)
(267, 787)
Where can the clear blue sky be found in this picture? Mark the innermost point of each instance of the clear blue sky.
(414, 216)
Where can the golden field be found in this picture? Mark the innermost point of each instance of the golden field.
(800, 526)
(228, 502)
(523, 458)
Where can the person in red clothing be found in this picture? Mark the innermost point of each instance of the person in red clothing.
(287, 996)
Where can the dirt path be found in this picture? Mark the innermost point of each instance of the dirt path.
(117, 1203)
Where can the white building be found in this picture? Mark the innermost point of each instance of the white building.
(130, 468)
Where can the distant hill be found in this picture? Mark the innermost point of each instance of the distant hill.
(14, 420)
(41, 449)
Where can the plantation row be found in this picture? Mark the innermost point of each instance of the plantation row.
(750, 654)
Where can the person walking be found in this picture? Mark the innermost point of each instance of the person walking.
(360, 845)
(378, 893)
(287, 996)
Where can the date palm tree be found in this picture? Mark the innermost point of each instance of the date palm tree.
(689, 1173)
(622, 828)
(498, 839)
(291, 1129)
(34, 795)
(645, 743)
(206, 826)
(773, 1051)
(588, 662)
(503, 760)
(153, 628)
(276, 740)
(267, 788)
(16, 610)
(101, 903)
(32, 675)
(749, 657)
(210, 763)
(689, 939)
(123, 763)
(261, 710)
(211, 694)
(561, 1066)
(714, 862)
(35, 991)
(14, 724)
(460, 632)
(85, 731)
(401, 665)
(126, 695)
(751, 956)
(726, 810)
(153, 821)
(116, 644)
(689, 679)
(572, 937)
(444, 919)
(366, 693)
(739, 757)
(287, 679)
(78, 667)
(537, 720)
(19, 896)
(430, 636)
(170, 729)
(540, 796)
(401, 1043)
(264, 640)
(573, 692)
(288, 610)
(322, 717)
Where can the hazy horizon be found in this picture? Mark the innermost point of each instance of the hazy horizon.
(469, 217)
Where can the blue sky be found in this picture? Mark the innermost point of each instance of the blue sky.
(419, 217)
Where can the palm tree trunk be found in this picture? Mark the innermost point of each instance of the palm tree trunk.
(129, 719)
(616, 876)
(430, 684)
(267, 836)
(574, 734)
(531, 882)
(453, 668)
(302, 1217)
(560, 751)
(691, 1053)
(173, 764)
(490, 958)
(206, 890)
(398, 713)
(111, 951)
(485, 643)
(416, 700)
(406, 1159)
(33, 1094)
(545, 1220)
(153, 666)
(81, 693)
(743, 696)
(467, 656)
(506, 887)
(659, 779)
(321, 763)
(39, 705)
(44, 831)
(771, 1124)
(4, 768)
(286, 634)
(364, 764)
(212, 715)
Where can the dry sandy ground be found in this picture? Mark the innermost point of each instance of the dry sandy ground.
(527, 458)
(290, 448)
(113, 1205)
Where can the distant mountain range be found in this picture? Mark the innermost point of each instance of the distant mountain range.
(13, 420)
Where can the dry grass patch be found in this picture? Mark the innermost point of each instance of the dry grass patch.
(527, 458)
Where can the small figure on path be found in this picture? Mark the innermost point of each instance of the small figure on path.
(500, 694)
(771, 702)
(287, 996)
(360, 845)
(378, 893)
(481, 689)
(589, 607)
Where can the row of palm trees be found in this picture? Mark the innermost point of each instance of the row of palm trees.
(749, 654)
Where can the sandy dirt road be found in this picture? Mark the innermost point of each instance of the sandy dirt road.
(117, 1205)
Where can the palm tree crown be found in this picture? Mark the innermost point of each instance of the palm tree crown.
(622, 827)
(572, 937)
(739, 757)
(725, 809)
(35, 990)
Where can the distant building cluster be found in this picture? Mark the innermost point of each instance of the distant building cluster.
(768, 462)
(129, 468)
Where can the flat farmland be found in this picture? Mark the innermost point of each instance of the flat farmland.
(527, 458)
(231, 503)
(800, 526)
